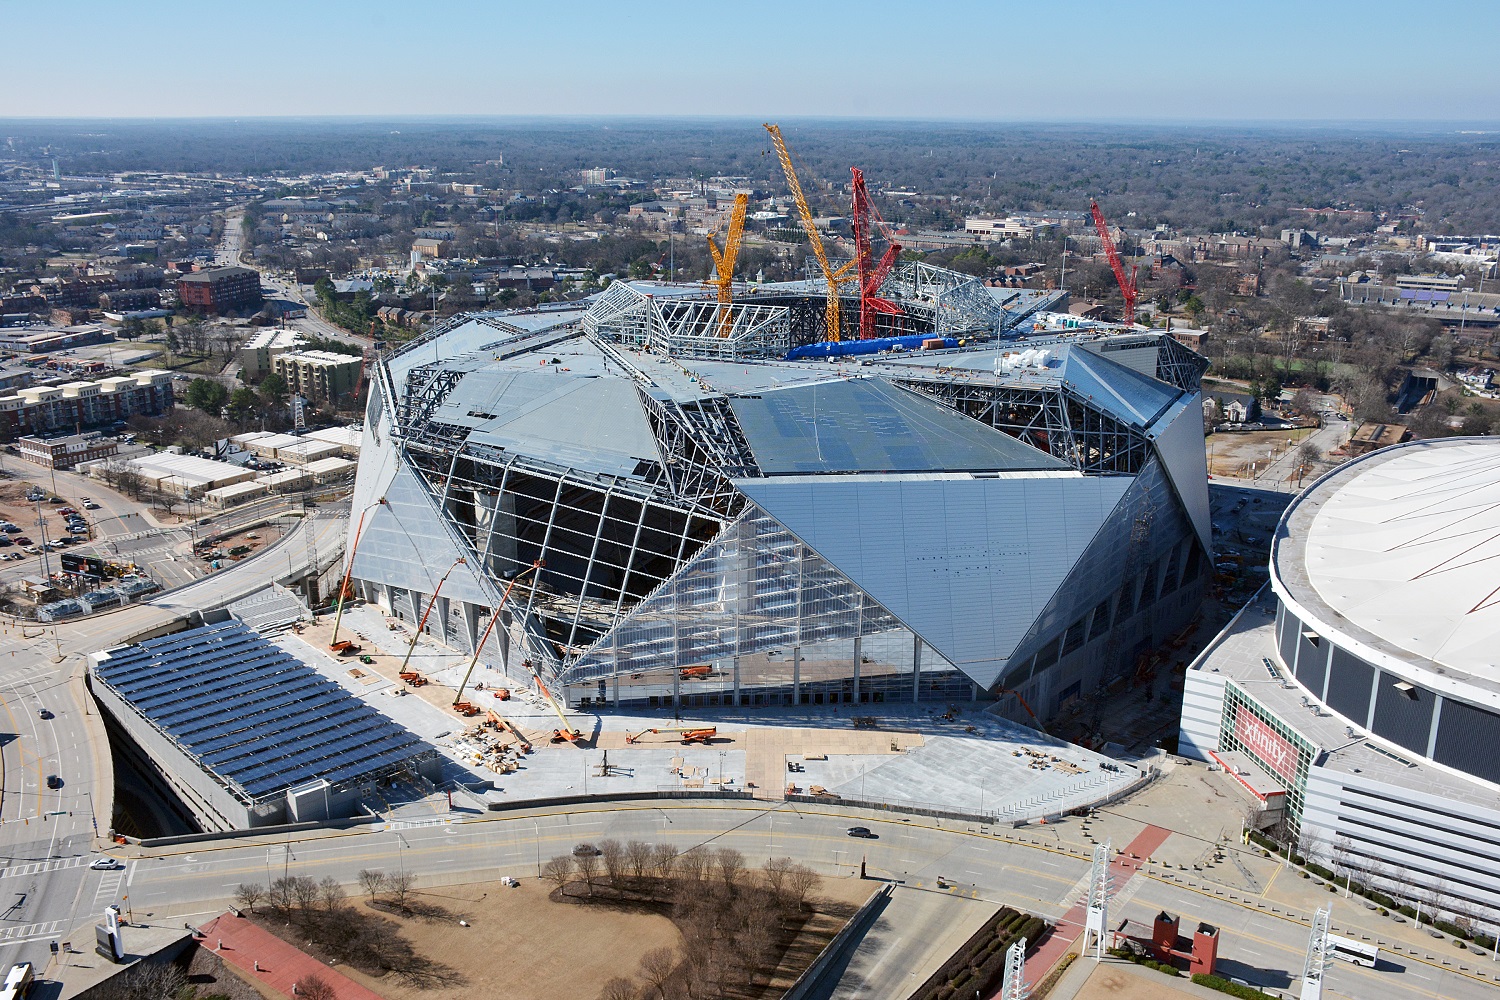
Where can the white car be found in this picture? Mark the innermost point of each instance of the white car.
(105, 864)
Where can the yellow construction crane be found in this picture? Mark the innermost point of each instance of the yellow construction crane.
(724, 261)
(834, 277)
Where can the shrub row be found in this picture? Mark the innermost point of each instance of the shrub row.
(1233, 989)
(1146, 960)
(980, 963)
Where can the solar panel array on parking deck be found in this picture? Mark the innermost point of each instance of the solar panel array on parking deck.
(253, 714)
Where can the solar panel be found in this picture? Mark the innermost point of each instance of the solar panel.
(253, 714)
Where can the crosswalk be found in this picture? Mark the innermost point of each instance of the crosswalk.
(109, 889)
(21, 933)
(37, 867)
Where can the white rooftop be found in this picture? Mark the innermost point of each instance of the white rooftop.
(1406, 546)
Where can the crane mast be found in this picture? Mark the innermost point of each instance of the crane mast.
(1127, 287)
(832, 317)
(724, 260)
(872, 274)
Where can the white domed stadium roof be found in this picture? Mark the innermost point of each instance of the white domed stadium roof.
(1404, 546)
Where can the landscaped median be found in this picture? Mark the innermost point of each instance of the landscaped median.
(978, 966)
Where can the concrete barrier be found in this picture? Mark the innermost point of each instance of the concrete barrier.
(814, 976)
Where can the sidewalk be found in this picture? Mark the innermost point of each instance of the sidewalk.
(264, 958)
(1069, 929)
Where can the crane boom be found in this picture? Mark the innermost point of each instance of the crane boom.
(724, 260)
(871, 274)
(831, 312)
(1127, 287)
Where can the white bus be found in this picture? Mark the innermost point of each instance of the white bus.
(17, 982)
(1350, 950)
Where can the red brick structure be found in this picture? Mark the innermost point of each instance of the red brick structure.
(219, 289)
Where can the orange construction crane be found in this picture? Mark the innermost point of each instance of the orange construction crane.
(567, 734)
(344, 590)
(1127, 287)
(700, 734)
(724, 261)
(834, 277)
(490, 627)
(430, 604)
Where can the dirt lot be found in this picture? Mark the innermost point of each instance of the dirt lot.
(1232, 454)
(557, 951)
(1124, 982)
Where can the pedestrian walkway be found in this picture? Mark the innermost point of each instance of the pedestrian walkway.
(267, 960)
(1068, 929)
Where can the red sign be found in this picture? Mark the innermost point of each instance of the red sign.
(1261, 740)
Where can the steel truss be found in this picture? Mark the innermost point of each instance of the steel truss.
(702, 448)
(689, 326)
(1048, 418)
(604, 542)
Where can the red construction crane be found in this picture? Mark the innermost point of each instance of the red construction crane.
(872, 273)
(1127, 287)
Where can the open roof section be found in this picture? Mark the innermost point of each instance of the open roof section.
(870, 425)
(257, 718)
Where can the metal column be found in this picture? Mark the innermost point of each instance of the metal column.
(737, 681)
(916, 668)
(796, 675)
(857, 658)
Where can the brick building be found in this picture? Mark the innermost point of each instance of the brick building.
(76, 405)
(66, 452)
(219, 289)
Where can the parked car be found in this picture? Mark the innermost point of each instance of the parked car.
(57, 500)
(11, 529)
(67, 510)
(23, 540)
(32, 550)
(5, 543)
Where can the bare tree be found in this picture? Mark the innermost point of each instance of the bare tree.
(372, 881)
(333, 894)
(315, 987)
(639, 855)
(306, 892)
(775, 870)
(247, 894)
(147, 981)
(612, 852)
(728, 866)
(588, 870)
(692, 863)
(800, 882)
(281, 896)
(620, 988)
(656, 968)
(559, 870)
(664, 860)
(400, 887)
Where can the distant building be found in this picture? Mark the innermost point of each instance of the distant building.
(219, 290)
(66, 452)
(596, 175)
(429, 249)
(130, 299)
(34, 341)
(318, 374)
(255, 357)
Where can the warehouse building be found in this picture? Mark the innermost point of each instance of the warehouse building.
(701, 512)
(243, 734)
(1364, 707)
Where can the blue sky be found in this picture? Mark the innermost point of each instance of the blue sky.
(1037, 60)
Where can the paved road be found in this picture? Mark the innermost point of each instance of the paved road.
(47, 835)
(187, 882)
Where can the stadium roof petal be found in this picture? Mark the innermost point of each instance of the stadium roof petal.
(870, 425)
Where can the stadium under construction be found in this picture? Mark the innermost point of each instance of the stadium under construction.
(674, 499)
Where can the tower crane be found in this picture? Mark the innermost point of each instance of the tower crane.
(724, 260)
(872, 273)
(1127, 288)
(834, 277)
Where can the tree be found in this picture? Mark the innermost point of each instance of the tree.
(728, 865)
(612, 852)
(800, 881)
(280, 896)
(588, 870)
(775, 870)
(372, 881)
(692, 863)
(400, 887)
(306, 892)
(656, 968)
(243, 403)
(207, 395)
(315, 987)
(247, 894)
(332, 893)
(619, 988)
(273, 389)
(664, 860)
(559, 870)
(639, 854)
